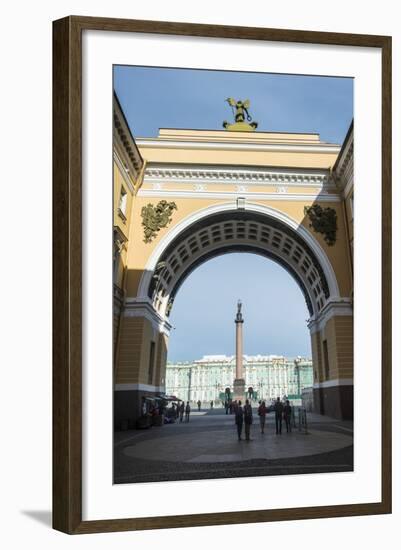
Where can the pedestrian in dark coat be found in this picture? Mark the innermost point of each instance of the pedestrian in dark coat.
(248, 418)
(262, 410)
(187, 412)
(239, 419)
(287, 415)
(182, 408)
(278, 409)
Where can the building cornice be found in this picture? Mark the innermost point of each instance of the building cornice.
(145, 143)
(347, 140)
(124, 140)
(161, 173)
(343, 170)
(338, 308)
(136, 308)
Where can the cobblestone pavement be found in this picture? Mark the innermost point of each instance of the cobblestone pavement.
(207, 447)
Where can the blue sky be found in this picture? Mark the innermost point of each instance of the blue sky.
(274, 310)
(155, 98)
(204, 309)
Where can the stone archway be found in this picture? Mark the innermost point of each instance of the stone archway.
(255, 228)
(264, 229)
(236, 231)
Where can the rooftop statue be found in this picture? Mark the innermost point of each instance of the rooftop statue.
(241, 113)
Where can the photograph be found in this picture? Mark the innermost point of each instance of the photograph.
(233, 288)
(213, 305)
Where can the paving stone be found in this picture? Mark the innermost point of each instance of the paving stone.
(207, 447)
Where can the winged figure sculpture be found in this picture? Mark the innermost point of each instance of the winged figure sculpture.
(241, 109)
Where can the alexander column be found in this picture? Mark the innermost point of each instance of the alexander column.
(239, 382)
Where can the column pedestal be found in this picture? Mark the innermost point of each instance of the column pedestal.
(239, 389)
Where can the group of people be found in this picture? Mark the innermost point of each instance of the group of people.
(244, 416)
(229, 406)
(180, 409)
(282, 411)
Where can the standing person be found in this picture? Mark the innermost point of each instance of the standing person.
(287, 415)
(248, 418)
(199, 404)
(211, 404)
(187, 411)
(226, 406)
(278, 409)
(182, 408)
(239, 419)
(262, 410)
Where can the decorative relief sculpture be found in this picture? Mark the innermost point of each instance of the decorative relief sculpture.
(156, 217)
(323, 220)
(158, 269)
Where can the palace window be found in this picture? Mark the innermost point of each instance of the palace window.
(122, 205)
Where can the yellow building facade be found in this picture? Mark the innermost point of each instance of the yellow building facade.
(196, 194)
(128, 168)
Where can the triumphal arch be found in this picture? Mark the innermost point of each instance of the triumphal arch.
(186, 196)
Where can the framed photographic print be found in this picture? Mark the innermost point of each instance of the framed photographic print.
(222, 274)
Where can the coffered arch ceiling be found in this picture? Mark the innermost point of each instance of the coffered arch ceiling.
(237, 231)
